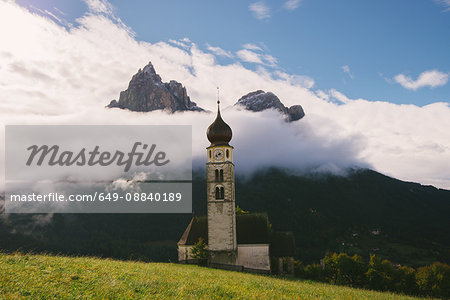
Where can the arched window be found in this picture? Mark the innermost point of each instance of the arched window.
(210, 154)
(228, 153)
(217, 175)
(220, 192)
(221, 175)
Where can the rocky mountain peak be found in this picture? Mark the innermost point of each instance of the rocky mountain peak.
(146, 92)
(149, 69)
(260, 100)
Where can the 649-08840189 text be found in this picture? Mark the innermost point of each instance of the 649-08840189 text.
(102, 197)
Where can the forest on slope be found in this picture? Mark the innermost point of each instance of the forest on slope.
(364, 213)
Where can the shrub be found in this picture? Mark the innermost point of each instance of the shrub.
(314, 272)
(200, 251)
(343, 269)
(329, 263)
(434, 280)
(299, 269)
(380, 274)
(405, 280)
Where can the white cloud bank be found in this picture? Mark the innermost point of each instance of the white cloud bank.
(71, 74)
(432, 78)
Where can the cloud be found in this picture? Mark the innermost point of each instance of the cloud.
(249, 56)
(300, 80)
(183, 43)
(250, 46)
(99, 6)
(106, 8)
(72, 73)
(432, 78)
(347, 71)
(339, 96)
(260, 10)
(291, 4)
(444, 3)
(219, 51)
(257, 58)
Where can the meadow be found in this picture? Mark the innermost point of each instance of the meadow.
(48, 276)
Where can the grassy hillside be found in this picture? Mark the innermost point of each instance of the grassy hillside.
(42, 276)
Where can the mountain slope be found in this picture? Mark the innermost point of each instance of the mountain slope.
(365, 212)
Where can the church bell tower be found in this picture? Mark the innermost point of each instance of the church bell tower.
(222, 244)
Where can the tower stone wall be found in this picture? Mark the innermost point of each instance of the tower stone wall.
(222, 244)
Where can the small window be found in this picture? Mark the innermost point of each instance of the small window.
(217, 175)
(221, 175)
(228, 153)
(210, 154)
(220, 192)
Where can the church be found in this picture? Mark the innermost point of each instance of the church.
(232, 239)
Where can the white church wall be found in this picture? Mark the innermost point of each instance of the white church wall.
(255, 256)
(184, 252)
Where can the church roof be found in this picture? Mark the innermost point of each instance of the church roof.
(282, 244)
(219, 133)
(250, 229)
(197, 228)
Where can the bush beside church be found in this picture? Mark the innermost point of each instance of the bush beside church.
(378, 274)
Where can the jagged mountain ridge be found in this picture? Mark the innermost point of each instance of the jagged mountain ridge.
(259, 100)
(146, 92)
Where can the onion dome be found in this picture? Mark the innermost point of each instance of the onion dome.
(219, 133)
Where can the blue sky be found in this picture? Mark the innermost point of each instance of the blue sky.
(356, 47)
(350, 64)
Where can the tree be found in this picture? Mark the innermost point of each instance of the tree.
(406, 280)
(344, 269)
(330, 267)
(434, 280)
(200, 251)
(380, 274)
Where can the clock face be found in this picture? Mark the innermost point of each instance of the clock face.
(218, 154)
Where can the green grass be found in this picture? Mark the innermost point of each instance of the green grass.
(45, 276)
